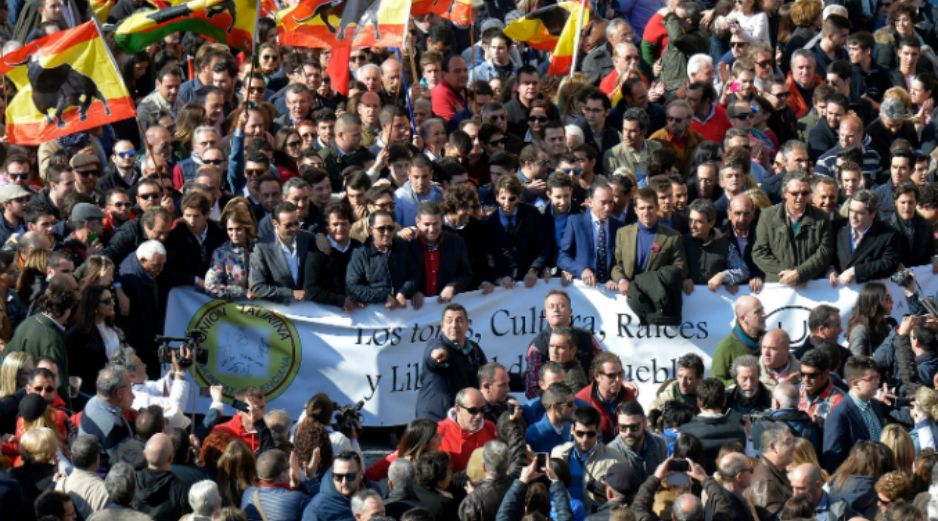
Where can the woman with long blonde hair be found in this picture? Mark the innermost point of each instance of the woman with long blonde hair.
(901, 444)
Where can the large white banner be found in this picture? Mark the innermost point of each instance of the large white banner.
(292, 352)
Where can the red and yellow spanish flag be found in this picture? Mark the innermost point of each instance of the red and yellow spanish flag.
(344, 23)
(102, 8)
(460, 13)
(552, 28)
(66, 82)
(227, 21)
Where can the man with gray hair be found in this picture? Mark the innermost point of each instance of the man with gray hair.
(103, 415)
(687, 507)
(160, 494)
(366, 504)
(785, 412)
(203, 138)
(747, 395)
(83, 486)
(121, 482)
(770, 487)
(138, 278)
(402, 480)
(485, 499)
(272, 498)
(205, 501)
(725, 497)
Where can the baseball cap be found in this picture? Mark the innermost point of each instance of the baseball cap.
(12, 191)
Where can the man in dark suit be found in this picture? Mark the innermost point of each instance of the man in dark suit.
(191, 243)
(917, 235)
(516, 231)
(324, 273)
(384, 271)
(442, 254)
(646, 245)
(860, 416)
(277, 268)
(866, 248)
(588, 244)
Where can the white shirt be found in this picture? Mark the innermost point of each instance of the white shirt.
(169, 393)
(292, 258)
(112, 341)
(596, 224)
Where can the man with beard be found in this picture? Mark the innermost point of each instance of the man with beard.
(553, 428)
(747, 395)
(635, 444)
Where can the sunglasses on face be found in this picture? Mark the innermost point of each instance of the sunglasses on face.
(87, 173)
(348, 476)
(291, 144)
(254, 172)
(47, 388)
(538, 119)
(744, 116)
(497, 117)
(738, 45)
(152, 196)
(19, 177)
(497, 142)
(631, 427)
(123, 204)
(586, 434)
(358, 58)
(129, 153)
(473, 410)
(107, 301)
(388, 228)
(764, 64)
(213, 161)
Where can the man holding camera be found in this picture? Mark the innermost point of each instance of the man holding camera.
(170, 392)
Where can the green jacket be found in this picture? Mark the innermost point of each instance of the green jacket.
(777, 248)
(681, 46)
(39, 336)
(729, 349)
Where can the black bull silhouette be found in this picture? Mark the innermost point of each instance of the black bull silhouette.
(349, 11)
(61, 87)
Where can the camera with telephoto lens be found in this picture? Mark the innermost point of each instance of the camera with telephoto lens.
(904, 279)
(901, 278)
(193, 341)
(348, 418)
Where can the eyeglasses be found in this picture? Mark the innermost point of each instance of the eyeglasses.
(47, 388)
(584, 434)
(88, 173)
(738, 45)
(269, 57)
(213, 161)
(107, 301)
(538, 119)
(614, 376)
(803, 193)
(18, 177)
(388, 228)
(473, 410)
(632, 427)
(152, 196)
(512, 198)
(291, 144)
(592, 110)
(22, 200)
(358, 58)
(129, 153)
(780, 95)
(291, 224)
(254, 172)
(809, 376)
(744, 116)
(573, 171)
(497, 142)
(497, 117)
(764, 64)
(348, 476)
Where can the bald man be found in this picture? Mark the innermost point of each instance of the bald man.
(776, 362)
(160, 494)
(806, 481)
(391, 82)
(724, 497)
(465, 428)
(741, 230)
(743, 340)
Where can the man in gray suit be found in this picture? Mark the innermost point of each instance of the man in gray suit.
(277, 266)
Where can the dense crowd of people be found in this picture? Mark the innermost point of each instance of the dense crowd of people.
(700, 146)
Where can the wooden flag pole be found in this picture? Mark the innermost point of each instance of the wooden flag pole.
(576, 42)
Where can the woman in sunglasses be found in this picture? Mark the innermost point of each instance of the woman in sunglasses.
(93, 338)
(288, 148)
(540, 112)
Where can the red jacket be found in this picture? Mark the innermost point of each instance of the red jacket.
(236, 429)
(445, 101)
(796, 101)
(607, 422)
(460, 444)
(714, 129)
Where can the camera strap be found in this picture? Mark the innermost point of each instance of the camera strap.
(257, 504)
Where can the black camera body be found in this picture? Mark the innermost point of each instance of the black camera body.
(193, 340)
(901, 278)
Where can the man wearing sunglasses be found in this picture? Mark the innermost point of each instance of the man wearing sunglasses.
(587, 458)
(635, 445)
(804, 252)
(203, 138)
(464, 429)
(335, 501)
(385, 271)
(14, 199)
(121, 171)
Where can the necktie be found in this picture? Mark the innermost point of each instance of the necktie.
(856, 239)
(601, 261)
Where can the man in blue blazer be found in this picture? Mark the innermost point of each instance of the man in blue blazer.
(554, 427)
(860, 416)
(582, 254)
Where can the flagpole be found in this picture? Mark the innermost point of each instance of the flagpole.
(576, 42)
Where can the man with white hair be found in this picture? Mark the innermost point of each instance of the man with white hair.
(160, 494)
(103, 415)
(402, 480)
(785, 398)
(205, 501)
(626, 65)
(138, 277)
(483, 502)
(700, 68)
(203, 138)
(370, 75)
(367, 504)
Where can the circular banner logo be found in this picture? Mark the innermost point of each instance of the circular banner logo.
(793, 319)
(248, 346)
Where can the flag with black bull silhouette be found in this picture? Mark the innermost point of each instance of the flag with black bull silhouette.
(226, 21)
(344, 23)
(66, 82)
